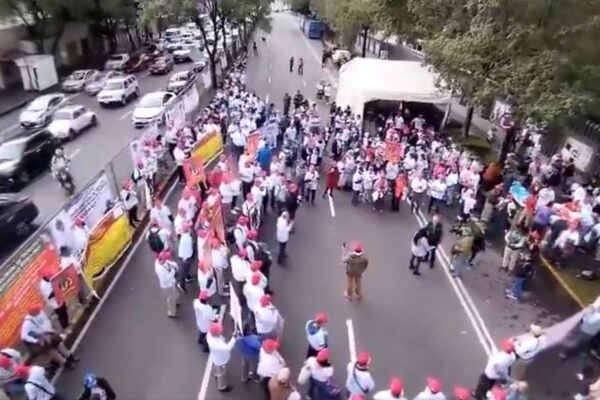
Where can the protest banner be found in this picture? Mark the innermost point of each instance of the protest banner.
(66, 284)
(108, 240)
(252, 142)
(193, 169)
(235, 310)
(19, 286)
(209, 146)
(393, 151)
(218, 225)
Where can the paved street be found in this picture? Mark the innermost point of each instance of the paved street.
(413, 327)
(90, 151)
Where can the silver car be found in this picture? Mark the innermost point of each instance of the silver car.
(93, 87)
(39, 112)
(78, 79)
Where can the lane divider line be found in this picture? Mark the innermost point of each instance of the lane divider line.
(127, 114)
(209, 364)
(351, 340)
(331, 205)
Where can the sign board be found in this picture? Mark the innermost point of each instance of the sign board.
(582, 153)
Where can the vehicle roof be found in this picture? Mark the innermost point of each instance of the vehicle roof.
(154, 94)
(48, 96)
(10, 198)
(20, 135)
(120, 78)
(71, 107)
(179, 74)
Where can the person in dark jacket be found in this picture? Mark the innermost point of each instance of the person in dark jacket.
(96, 388)
(292, 201)
(521, 272)
(356, 263)
(434, 232)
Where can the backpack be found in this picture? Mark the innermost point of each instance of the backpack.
(155, 242)
(261, 253)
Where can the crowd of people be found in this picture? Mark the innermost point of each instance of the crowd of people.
(403, 160)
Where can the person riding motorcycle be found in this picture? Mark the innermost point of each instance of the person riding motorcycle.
(298, 99)
(291, 63)
(60, 161)
(255, 48)
(300, 66)
(286, 103)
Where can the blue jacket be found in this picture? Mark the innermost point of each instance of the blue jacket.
(249, 346)
(264, 158)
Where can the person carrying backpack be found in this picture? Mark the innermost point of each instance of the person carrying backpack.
(262, 254)
(157, 238)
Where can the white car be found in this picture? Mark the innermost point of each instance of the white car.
(182, 55)
(119, 90)
(179, 80)
(77, 80)
(174, 44)
(152, 107)
(70, 121)
(117, 61)
(94, 86)
(39, 112)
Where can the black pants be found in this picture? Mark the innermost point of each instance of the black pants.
(395, 203)
(132, 214)
(431, 256)
(310, 196)
(184, 271)
(265, 204)
(63, 316)
(484, 385)
(434, 204)
(281, 255)
(264, 382)
(310, 352)
(180, 174)
(414, 263)
(202, 341)
(246, 188)
(355, 197)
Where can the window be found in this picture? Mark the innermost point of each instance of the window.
(78, 113)
(36, 142)
(54, 102)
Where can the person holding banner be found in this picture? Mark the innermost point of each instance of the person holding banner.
(205, 315)
(220, 353)
(267, 317)
(206, 278)
(253, 292)
(59, 308)
(219, 257)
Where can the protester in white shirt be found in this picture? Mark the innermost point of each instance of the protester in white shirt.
(418, 186)
(219, 258)
(166, 271)
(220, 353)
(47, 291)
(270, 361)
(267, 318)
(162, 214)
(185, 253)
(253, 291)
(37, 386)
(497, 369)
(311, 182)
(205, 315)
(358, 379)
(437, 191)
(206, 279)
(395, 392)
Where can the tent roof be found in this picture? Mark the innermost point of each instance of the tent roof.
(368, 79)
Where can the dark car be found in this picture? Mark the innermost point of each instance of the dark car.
(162, 65)
(141, 62)
(23, 155)
(16, 217)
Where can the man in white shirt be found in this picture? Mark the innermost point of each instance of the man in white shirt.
(205, 315)
(219, 258)
(395, 392)
(47, 291)
(130, 201)
(270, 362)
(185, 252)
(284, 227)
(220, 353)
(358, 379)
(497, 369)
(253, 291)
(166, 271)
(37, 386)
(266, 317)
(179, 156)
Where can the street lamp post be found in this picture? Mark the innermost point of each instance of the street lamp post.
(364, 32)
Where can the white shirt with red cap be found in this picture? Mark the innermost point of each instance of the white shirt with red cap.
(387, 395)
(498, 365)
(358, 381)
(204, 314)
(427, 395)
(253, 293)
(269, 364)
(240, 268)
(220, 349)
(266, 318)
(37, 385)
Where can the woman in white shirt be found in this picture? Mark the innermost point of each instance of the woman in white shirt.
(311, 181)
(418, 186)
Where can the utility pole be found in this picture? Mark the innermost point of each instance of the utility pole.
(365, 33)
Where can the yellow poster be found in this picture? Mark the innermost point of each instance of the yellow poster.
(209, 146)
(107, 242)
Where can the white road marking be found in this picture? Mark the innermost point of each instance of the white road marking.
(269, 80)
(109, 290)
(267, 99)
(304, 83)
(331, 205)
(351, 340)
(74, 153)
(127, 114)
(209, 364)
(464, 298)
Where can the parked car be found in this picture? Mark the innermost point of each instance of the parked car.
(70, 121)
(199, 66)
(179, 80)
(23, 155)
(117, 61)
(94, 86)
(173, 45)
(151, 107)
(119, 90)
(182, 55)
(162, 65)
(39, 112)
(78, 79)
(17, 214)
(139, 62)
(161, 44)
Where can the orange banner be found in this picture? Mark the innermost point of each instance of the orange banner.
(393, 151)
(218, 225)
(66, 284)
(252, 142)
(19, 286)
(193, 168)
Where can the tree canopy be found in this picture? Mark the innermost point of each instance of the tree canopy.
(539, 55)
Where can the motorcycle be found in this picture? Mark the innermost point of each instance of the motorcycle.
(65, 180)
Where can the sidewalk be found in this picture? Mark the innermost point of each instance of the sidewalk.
(13, 99)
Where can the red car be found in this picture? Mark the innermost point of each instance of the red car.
(140, 62)
(162, 65)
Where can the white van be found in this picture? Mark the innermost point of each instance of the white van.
(172, 33)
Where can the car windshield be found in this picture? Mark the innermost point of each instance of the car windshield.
(100, 77)
(62, 115)
(114, 86)
(11, 150)
(116, 57)
(179, 78)
(77, 75)
(39, 104)
(151, 102)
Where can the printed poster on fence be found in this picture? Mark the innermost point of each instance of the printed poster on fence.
(108, 240)
(193, 169)
(191, 99)
(19, 285)
(252, 142)
(209, 146)
(393, 151)
(66, 284)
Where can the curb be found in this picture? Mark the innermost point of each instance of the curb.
(13, 107)
(561, 282)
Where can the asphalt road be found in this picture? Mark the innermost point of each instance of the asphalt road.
(90, 151)
(413, 327)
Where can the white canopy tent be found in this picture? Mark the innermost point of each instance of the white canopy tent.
(368, 79)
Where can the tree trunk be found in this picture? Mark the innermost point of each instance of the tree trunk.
(468, 120)
(509, 136)
(213, 70)
(59, 33)
(130, 38)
